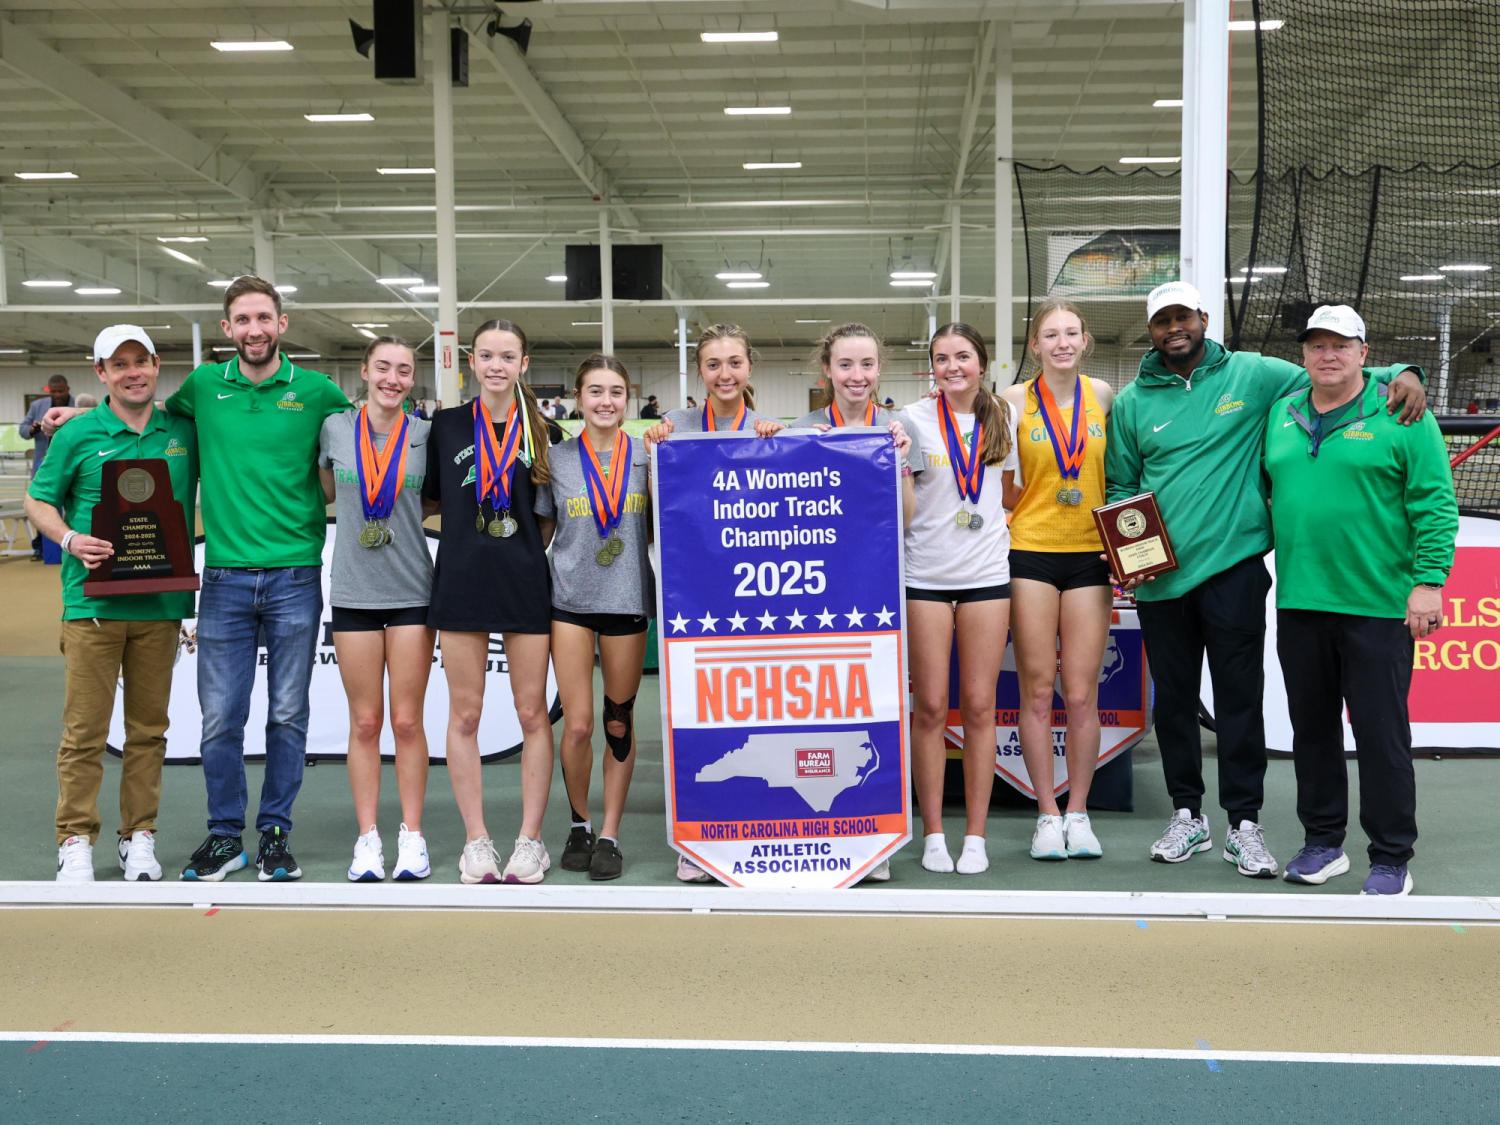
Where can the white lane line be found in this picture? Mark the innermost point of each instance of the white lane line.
(1193, 1054)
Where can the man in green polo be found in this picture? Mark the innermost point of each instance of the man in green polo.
(104, 636)
(1366, 521)
(258, 419)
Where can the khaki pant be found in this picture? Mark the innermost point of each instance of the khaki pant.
(95, 653)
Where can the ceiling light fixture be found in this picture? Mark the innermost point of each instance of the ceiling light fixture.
(557, 278)
(181, 238)
(1249, 25)
(912, 275)
(304, 355)
(367, 334)
(1167, 103)
(770, 165)
(423, 290)
(739, 36)
(286, 289)
(747, 285)
(222, 283)
(757, 110)
(336, 118)
(46, 283)
(97, 291)
(370, 324)
(814, 322)
(1465, 267)
(1422, 277)
(407, 171)
(243, 45)
(588, 324)
(912, 282)
(398, 281)
(180, 256)
(12, 351)
(1150, 160)
(46, 175)
(740, 275)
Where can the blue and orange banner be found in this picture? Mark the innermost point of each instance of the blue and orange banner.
(782, 656)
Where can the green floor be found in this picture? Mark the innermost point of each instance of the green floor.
(31, 701)
(177, 1083)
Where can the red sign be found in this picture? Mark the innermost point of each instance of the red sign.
(814, 763)
(1453, 674)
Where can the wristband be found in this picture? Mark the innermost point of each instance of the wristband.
(66, 539)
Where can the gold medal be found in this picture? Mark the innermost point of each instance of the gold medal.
(1065, 496)
(604, 557)
(495, 529)
(370, 535)
(479, 521)
(615, 546)
(962, 519)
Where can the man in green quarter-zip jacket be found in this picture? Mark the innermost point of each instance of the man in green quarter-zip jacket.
(1190, 428)
(1365, 520)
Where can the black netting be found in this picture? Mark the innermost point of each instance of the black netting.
(1379, 175)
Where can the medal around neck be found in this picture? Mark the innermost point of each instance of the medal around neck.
(381, 475)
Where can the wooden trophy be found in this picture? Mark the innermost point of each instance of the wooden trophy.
(140, 516)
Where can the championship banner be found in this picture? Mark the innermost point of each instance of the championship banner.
(328, 721)
(1453, 701)
(1124, 707)
(782, 657)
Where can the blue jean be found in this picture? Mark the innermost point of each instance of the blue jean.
(236, 609)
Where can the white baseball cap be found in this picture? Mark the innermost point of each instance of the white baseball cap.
(1338, 319)
(1173, 293)
(109, 341)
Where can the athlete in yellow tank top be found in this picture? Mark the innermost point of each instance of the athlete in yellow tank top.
(1059, 584)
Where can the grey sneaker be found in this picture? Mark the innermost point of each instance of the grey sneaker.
(1245, 847)
(1185, 837)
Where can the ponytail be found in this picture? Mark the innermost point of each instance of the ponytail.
(541, 471)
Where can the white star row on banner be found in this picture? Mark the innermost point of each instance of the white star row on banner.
(708, 623)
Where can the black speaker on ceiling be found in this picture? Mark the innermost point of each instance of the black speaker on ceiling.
(636, 272)
(458, 56)
(398, 41)
(1296, 314)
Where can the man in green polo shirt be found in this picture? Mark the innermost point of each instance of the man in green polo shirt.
(104, 636)
(1365, 520)
(258, 419)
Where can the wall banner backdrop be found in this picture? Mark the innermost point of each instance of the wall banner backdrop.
(328, 724)
(782, 654)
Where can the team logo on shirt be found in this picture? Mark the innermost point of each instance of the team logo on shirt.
(1357, 432)
(469, 479)
(289, 401)
(1228, 404)
(175, 448)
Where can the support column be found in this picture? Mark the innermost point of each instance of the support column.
(682, 350)
(1205, 152)
(1440, 391)
(955, 272)
(606, 286)
(446, 338)
(3, 290)
(1003, 366)
(197, 344)
(265, 252)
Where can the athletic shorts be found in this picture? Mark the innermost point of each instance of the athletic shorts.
(1067, 570)
(959, 597)
(605, 624)
(374, 620)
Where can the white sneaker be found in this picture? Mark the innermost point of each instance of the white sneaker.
(935, 855)
(1049, 841)
(138, 858)
(368, 865)
(479, 862)
(75, 860)
(411, 856)
(528, 862)
(1245, 847)
(1082, 843)
(973, 860)
(880, 873)
(1185, 837)
(690, 872)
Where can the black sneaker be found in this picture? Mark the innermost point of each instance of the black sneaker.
(577, 850)
(215, 858)
(606, 862)
(274, 860)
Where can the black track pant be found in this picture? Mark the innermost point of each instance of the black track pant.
(1225, 617)
(1333, 659)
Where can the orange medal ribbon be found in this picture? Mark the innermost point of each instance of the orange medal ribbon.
(379, 485)
(606, 489)
(495, 474)
(837, 419)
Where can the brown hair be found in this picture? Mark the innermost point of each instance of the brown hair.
(990, 411)
(822, 354)
(1056, 305)
(249, 283)
(729, 332)
(541, 471)
(594, 363)
(381, 341)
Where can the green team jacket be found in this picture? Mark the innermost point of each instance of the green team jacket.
(1365, 520)
(1196, 443)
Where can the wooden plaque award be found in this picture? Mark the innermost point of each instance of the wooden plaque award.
(138, 513)
(1135, 538)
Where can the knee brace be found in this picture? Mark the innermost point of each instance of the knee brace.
(619, 744)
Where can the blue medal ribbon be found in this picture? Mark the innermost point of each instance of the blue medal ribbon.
(606, 499)
(968, 472)
(1069, 457)
(389, 470)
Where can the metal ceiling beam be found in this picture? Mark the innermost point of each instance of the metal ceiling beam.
(30, 57)
(974, 98)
